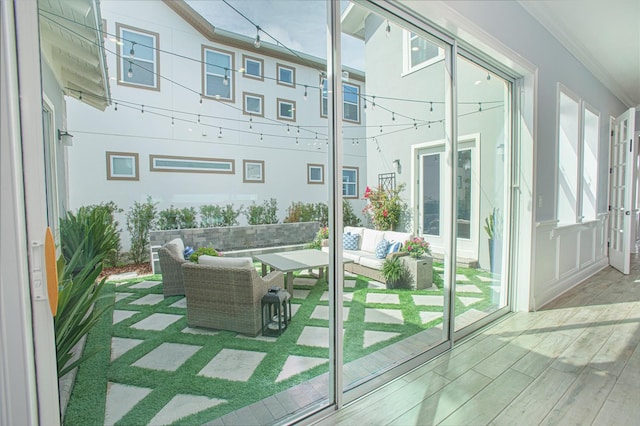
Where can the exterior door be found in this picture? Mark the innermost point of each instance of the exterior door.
(623, 152)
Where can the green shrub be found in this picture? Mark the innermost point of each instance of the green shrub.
(230, 215)
(140, 219)
(210, 216)
(76, 313)
(94, 228)
(187, 218)
(267, 213)
(168, 218)
(203, 250)
(308, 212)
(349, 218)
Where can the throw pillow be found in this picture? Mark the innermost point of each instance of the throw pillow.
(394, 246)
(381, 249)
(350, 241)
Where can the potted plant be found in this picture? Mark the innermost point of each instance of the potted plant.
(416, 247)
(396, 273)
(493, 228)
(203, 250)
(384, 207)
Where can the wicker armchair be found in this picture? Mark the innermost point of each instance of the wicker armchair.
(171, 260)
(227, 297)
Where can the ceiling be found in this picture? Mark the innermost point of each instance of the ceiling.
(602, 34)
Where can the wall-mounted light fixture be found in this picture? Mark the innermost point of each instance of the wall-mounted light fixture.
(65, 137)
(396, 166)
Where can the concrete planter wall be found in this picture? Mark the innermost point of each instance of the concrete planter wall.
(421, 270)
(239, 240)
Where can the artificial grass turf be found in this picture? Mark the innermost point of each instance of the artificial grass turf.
(87, 403)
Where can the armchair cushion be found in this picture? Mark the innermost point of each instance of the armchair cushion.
(224, 262)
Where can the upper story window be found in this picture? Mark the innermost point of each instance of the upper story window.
(419, 52)
(350, 98)
(218, 78)
(286, 75)
(138, 58)
(253, 67)
(253, 104)
(286, 109)
(350, 182)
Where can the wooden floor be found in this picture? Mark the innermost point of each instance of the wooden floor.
(576, 361)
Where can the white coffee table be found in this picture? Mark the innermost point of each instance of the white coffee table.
(291, 261)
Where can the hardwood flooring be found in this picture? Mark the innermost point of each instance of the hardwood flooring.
(576, 361)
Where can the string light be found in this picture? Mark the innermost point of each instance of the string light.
(116, 108)
(305, 93)
(130, 71)
(261, 137)
(198, 118)
(80, 96)
(172, 121)
(256, 43)
(225, 81)
(364, 108)
(220, 133)
(131, 52)
(296, 141)
(373, 103)
(201, 97)
(488, 76)
(142, 109)
(431, 107)
(479, 106)
(393, 116)
(415, 125)
(380, 128)
(287, 128)
(298, 132)
(250, 123)
(387, 30)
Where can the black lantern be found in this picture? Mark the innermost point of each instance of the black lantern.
(276, 311)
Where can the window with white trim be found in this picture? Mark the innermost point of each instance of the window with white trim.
(350, 182)
(252, 67)
(170, 163)
(419, 52)
(122, 166)
(138, 58)
(578, 142)
(286, 75)
(315, 173)
(350, 98)
(286, 110)
(253, 104)
(218, 77)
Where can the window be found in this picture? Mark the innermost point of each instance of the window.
(578, 141)
(253, 171)
(218, 78)
(122, 166)
(252, 67)
(286, 110)
(351, 97)
(351, 101)
(590, 164)
(138, 59)
(350, 182)
(315, 173)
(166, 163)
(419, 52)
(253, 104)
(286, 75)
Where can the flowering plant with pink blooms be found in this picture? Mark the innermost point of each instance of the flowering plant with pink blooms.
(384, 207)
(416, 247)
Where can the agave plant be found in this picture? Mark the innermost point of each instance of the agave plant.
(78, 292)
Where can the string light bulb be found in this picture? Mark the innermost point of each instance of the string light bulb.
(373, 103)
(296, 141)
(393, 116)
(172, 121)
(415, 125)
(298, 131)
(430, 106)
(225, 81)
(130, 71)
(131, 52)
(287, 128)
(364, 108)
(261, 139)
(488, 76)
(198, 118)
(479, 106)
(116, 108)
(250, 123)
(220, 133)
(256, 43)
(142, 109)
(387, 30)
(201, 97)
(305, 93)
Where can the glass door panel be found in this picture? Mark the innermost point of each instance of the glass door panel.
(395, 307)
(482, 193)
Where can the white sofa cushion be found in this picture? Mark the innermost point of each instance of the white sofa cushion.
(370, 240)
(371, 262)
(395, 236)
(224, 262)
(176, 246)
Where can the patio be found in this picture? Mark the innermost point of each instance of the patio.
(152, 369)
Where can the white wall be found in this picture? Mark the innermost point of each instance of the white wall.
(129, 130)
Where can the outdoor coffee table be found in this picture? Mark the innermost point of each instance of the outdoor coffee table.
(291, 261)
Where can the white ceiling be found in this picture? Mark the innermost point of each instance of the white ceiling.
(603, 34)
